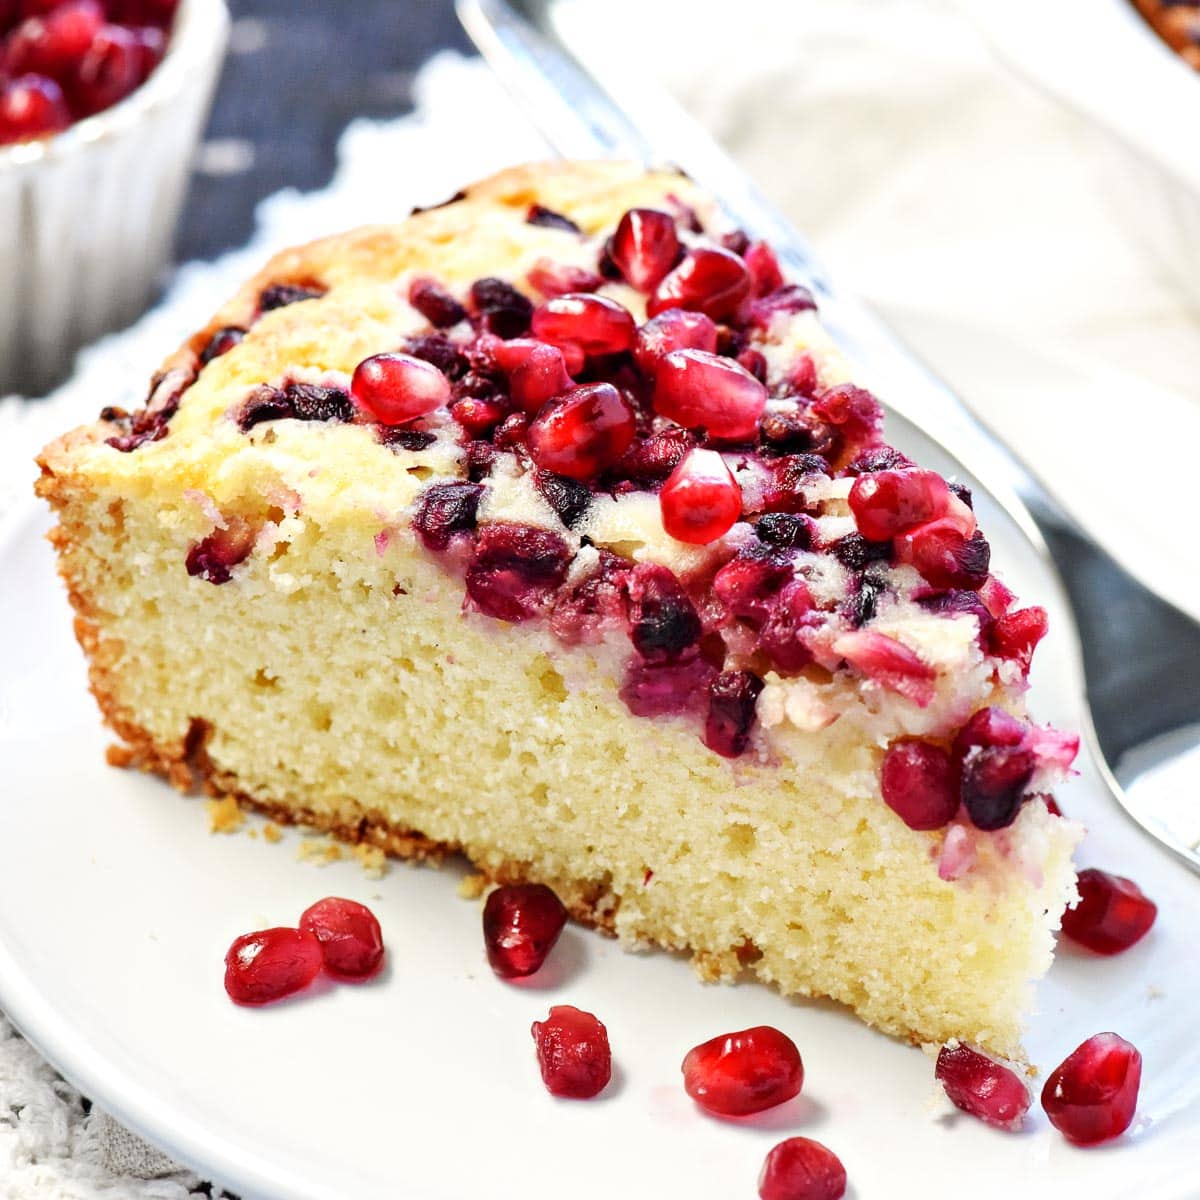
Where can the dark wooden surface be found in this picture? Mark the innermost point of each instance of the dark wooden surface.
(298, 72)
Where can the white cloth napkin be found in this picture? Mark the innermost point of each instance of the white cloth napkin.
(956, 200)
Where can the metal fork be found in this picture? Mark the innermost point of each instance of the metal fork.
(1140, 654)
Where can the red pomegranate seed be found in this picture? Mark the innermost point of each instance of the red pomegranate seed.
(801, 1169)
(536, 372)
(675, 329)
(54, 44)
(644, 247)
(270, 964)
(350, 937)
(573, 1053)
(886, 503)
(515, 569)
(745, 1072)
(711, 281)
(31, 107)
(478, 417)
(765, 275)
(1112, 914)
(395, 388)
(780, 638)
(748, 586)
(214, 557)
(1015, 635)
(943, 556)
(582, 431)
(151, 46)
(1092, 1095)
(109, 71)
(521, 923)
(982, 1087)
(557, 279)
(701, 390)
(888, 662)
(435, 304)
(700, 500)
(995, 764)
(595, 324)
(919, 783)
(1051, 804)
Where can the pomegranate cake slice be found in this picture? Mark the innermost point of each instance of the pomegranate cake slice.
(548, 526)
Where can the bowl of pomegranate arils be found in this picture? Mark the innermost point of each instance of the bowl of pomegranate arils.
(101, 105)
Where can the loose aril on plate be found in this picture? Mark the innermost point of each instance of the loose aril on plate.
(350, 937)
(271, 963)
(737, 1074)
(1112, 914)
(801, 1169)
(1092, 1095)
(573, 1053)
(979, 1085)
(521, 923)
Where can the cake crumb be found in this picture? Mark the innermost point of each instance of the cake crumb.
(371, 858)
(118, 755)
(272, 833)
(1153, 992)
(319, 852)
(471, 887)
(224, 815)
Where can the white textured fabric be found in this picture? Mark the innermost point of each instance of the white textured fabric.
(957, 201)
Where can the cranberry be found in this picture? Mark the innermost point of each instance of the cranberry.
(663, 621)
(675, 329)
(644, 247)
(765, 275)
(741, 1073)
(1016, 634)
(214, 557)
(732, 700)
(919, 784)
(708, 280)
(54, 44)
(943, 556)
(582, 431)
(1092, 1095)
(504, 310)
(547, 218)
(595, 324)
(573, 1053)
(521, 923)
(995, 767)
(109, 71)
(781, 638)
(700, 390)
(350, 937)
(656, 689)
(801, 1169)
(515, 569)
(888, 662)
(435, 304)
(559, 279)
(886, 503)
(31, 106)
(982, 1087)
(395, 388)
(1112, 914)
(700, 500)
(221, 342)
(270, 964)
(445, 509)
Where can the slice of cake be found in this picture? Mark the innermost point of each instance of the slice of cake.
(548, 526)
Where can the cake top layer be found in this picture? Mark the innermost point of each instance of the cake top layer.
(605, 410)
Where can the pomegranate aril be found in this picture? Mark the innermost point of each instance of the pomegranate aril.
(350, 937)
(781, 638)
(31, 106)
(515, 569)
(708, 280)
(995, 767)
(595, 324)
(663, 621)
(675, 329)
(435, 304)
(649, 460)
(221, 342)
(582, 431)
(982, 1087)
(786, 301)
(888, 662)
(445, 509)
(560, 279)
(801, 1169)
(439, 350)
(765, 275)
(109, 71)
(573, 1053)
(919, 784)
(54, 44)
(701, 390)
(886, 503)
(270, 964)
(521, 923)
(1112, 914)
(644, 247)
(505, 311)
(540, 375)
(214, 557)
(737, 1074)
(547, 218)
(1092, 1095)
(748, 584)
(395, 388)
(788, 531)
(732, 702)
(478, 417)
(655, 689)
(1016, 634)
(943, 556)
(852, 410)
(700, 501)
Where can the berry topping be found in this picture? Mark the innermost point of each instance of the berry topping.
(663, 621)
(644, 247)
(547, 218)
(299, 401)
(700, 500)
(214, 557)
(741, 1073)
(700, 390)
(708, 280)
(675, 329)
(785, 530)
(801, 1169)
(920, 784)
(995, 766)
(445, 509)
(505, 312)
(1112, 914)
(885, 503)
(660, 689)
(943, 556)
(559, 279)
(747, 585)
(1016, 634)
(781, 638)
(536, 372)
(1092, 1095)
(435, 304)
(395, 388)
(521, 923)
(982, 1087)
(595, 324)
(573, 1053)
(888, 662)
(221, 342)
(582, 431)
(270, 964)
(350, 937)
(280, 295)
(515, 569)
(569, 499)
(765, 275)
(732, 700)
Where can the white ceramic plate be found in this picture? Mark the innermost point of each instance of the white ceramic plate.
(117, 906)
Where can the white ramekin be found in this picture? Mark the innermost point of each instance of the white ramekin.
(87, 217)
(1100, 58)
